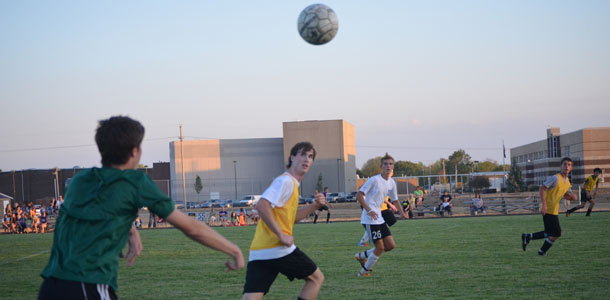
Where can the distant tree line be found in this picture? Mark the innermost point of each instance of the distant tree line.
(459, 158)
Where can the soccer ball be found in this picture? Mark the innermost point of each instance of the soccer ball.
(318, 24)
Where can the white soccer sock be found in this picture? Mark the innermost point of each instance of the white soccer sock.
(370, 262)
(370, 252)
(365, 238)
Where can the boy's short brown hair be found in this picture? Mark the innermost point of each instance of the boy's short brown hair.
(116, 137)
(386, 157)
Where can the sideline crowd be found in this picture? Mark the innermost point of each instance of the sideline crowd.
(29, 218)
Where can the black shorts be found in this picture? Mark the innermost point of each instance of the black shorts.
(323, 208)
(388, 217)
(377, 231)
(53, 288)
(583, 196)
(261, 273)
(551, 225)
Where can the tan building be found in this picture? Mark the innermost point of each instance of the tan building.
(228, 169)
(231, 169)
(589, 148)
(335, 143)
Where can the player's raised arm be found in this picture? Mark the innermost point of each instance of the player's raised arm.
(208, 237)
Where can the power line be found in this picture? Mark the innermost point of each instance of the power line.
(67, 147)
(207, 138)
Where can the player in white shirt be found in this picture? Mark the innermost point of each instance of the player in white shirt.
(371, 197)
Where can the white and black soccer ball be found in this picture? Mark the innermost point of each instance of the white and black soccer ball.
(318, 24)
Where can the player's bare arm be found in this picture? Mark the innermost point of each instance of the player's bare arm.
(400, 211)
(542, 199)
(370, 213)
(303, 212)
(264, 211)
(390, 205)
(570, 196)
(134, 246)
(207, 236)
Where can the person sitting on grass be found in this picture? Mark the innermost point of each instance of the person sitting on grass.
(22, 224)
(43, 222)
(6, 222)
(14, 223)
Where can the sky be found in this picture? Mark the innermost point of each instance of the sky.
(417, 79)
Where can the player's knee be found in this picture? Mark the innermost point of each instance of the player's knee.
(317, 277)
(389, 247)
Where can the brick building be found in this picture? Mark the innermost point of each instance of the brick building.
(589, 148)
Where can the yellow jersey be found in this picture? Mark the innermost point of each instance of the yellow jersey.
(554, 194)
(266, 244)
(384, 206)
(590, 183)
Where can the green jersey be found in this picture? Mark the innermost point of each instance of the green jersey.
(418, 193)
(94, 223)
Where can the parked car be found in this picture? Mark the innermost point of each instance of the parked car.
(221, 203)
(335, 197)
(303, 200)
(206, 204)
(351, 197)
(250, 200)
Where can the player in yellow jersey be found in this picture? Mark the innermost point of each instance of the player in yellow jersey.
(554, 188)
(272, 250)
(588, 192)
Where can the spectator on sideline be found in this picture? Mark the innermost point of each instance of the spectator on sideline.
(446, 204)
(477, 204)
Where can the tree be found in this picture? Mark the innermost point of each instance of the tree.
(488, 166)
(198, 185)
(371, 167)
(407, 168)
(320, 184)
(458, 158)
(479, 183)
(515, 180)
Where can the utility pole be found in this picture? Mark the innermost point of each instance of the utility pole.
(456, 181)
(503, 166)
(235, 177)
(56, 173)
(182, 167)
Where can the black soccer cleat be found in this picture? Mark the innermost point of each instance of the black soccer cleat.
(541, 253)
(524, 240)
(567, 213)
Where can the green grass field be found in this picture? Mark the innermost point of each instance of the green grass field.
(469, 258)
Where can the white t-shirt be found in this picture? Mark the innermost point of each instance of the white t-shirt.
(375, 190)
(278, 193)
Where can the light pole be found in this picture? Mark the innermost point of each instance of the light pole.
(429, 174)
(235, 177)
(182, 167)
